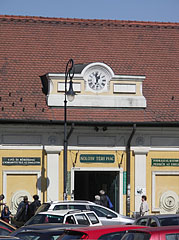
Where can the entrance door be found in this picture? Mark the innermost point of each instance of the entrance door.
(87, 184)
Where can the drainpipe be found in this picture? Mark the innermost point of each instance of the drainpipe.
(128, 160)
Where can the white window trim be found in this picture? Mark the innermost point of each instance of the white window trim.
(6, 172)
(120, 170)
(154, 174)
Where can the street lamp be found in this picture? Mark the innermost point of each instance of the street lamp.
(70, 95)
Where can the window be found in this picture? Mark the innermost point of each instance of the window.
(169, 221)
(137, 236)
(70, 220)
(142, 222)
(60, 207)
(173, 236)
(112, 236)
(93, 218)
(152, 223)
(77, 206)
(82, 219)
(102, 212)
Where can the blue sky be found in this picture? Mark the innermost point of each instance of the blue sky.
(139, 10)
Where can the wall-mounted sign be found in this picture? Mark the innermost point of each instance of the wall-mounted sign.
(97, 158)
(20, 161)
(165, 162)
(124, 183)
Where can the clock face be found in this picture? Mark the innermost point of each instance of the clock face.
(97, 80)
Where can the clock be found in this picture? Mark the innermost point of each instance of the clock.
(97, 80)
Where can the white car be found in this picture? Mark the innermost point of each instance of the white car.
(106, 215)
(67, 216)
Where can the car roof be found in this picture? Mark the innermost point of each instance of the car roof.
(65, 211)
(165, 229)
(106, 228)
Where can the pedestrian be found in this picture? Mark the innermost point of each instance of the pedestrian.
(34, 205)
(1, 198)
(103, 198)
(23, 211)
(97, 199)
(144, 208)
(6, 214)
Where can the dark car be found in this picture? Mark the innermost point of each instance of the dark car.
(7, 225)
(168, 233)
(8, 238)
(44, 234)
(158, 220)
(44, 227)
(4, 231)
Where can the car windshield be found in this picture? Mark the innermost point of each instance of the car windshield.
(45, 218)
(36, 236)
(102, 212)
(169, 221)
(43, 208)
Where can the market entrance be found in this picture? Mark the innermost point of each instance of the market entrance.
(87, 184)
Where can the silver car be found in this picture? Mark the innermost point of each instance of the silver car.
(106, 215)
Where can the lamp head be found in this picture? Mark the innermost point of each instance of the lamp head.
(70, 93)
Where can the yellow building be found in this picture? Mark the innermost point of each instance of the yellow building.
(122, 125)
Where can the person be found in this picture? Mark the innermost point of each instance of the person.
(23, 211)
(97, 199)
(103, 198)
(144, 208)
(34, 205)
(6, 214)
(1, 198)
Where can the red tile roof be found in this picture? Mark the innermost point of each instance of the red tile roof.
(33, 46)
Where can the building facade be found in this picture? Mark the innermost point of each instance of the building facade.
(122, 125)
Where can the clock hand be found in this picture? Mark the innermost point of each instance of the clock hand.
(97, 77)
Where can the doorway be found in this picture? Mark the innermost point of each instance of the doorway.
(87, 184)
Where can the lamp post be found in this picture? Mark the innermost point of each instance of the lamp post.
(70, 94)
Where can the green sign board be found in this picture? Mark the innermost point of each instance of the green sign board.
(165, 162)
(20, 161)
(97, 158)
(124, 183)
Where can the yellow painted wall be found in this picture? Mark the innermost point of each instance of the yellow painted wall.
(163, 182)
(16, 182)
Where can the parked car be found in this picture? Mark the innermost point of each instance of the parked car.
(43, 226)
(168, 233)
(85, 217)
(43, 234)
(106, 215)
(158, 220)
(110, 232)
(4, 231)
(7, 225)
(9, 238)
